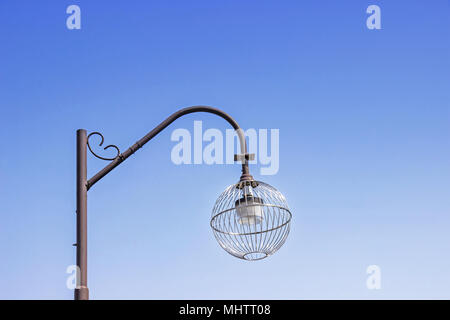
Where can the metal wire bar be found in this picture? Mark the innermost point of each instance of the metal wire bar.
(262, 232)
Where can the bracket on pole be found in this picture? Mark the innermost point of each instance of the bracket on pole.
(245, 156)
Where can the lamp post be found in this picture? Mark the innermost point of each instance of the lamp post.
(250, 219)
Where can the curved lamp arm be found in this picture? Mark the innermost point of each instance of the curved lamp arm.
(121, 157)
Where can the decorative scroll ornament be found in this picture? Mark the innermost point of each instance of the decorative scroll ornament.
(101, 143)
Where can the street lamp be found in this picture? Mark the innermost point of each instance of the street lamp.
(250, 219)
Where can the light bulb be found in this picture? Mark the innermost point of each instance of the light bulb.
(249, 210)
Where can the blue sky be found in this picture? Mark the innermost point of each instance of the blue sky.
(364, 145)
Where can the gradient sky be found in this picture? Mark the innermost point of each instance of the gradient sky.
(364, 145)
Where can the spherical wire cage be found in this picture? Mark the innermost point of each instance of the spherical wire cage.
(251, 220)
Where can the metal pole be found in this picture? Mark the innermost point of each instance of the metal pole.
(121, 157)
(82, 291)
